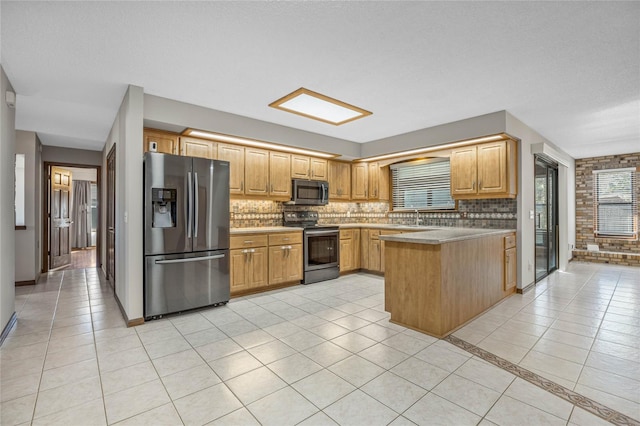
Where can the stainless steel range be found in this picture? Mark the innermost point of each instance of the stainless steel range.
(321, 246)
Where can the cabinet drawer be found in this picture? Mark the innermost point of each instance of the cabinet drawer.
(347, 234)
(374, 234)
(285, 238)
(249, 240)
(509, 241)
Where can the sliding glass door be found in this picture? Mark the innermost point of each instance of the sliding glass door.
(546, 217)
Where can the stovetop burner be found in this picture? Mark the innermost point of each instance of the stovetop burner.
(305, 219)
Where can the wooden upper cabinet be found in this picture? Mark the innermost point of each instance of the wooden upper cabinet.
(492, 167)
(193, 147)
(359, 181)
(463, 171)
(339, 177)
(166, 142)
(300, 167)
(487, 170)
(279, 175)
(256, 171)
(318, 168)
(304, 167)
(378, 181)
(234, 154)
(374, 180)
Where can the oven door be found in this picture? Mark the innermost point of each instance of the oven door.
(321, 249)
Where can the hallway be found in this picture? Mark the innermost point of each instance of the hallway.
(318, 354)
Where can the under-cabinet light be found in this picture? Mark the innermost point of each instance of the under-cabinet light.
(435, 148)
(319, 107)
(219, 137)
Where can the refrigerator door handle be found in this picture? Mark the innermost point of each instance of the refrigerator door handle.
(190, 259)
(189, 205)
(195, 209)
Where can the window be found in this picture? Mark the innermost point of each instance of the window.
(616, 204)
(423, 184)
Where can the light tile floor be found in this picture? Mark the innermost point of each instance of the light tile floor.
(320, 354)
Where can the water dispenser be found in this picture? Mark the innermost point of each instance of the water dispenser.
(164, 207)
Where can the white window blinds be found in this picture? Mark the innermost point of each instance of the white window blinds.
(616, 204)
(424, 184)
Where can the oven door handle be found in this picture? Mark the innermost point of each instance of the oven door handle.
(314, 233)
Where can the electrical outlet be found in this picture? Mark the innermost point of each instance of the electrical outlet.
(348, 213)
(530, 266)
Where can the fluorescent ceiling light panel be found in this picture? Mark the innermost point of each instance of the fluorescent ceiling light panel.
(319, 107)
(219, 137)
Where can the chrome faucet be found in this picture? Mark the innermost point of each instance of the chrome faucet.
(417, 218)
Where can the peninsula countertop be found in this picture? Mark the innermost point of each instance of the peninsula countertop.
(441, 235)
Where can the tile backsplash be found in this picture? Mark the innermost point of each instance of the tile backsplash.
(496, 214)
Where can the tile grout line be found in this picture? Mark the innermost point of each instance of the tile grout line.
(569, 395)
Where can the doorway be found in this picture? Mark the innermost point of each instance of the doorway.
(71, 217)
(546, 219)
(111, 217)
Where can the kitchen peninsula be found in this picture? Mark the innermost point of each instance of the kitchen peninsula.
(437, 280)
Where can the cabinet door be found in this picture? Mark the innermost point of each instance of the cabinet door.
(279, 174)
(294, 263)
(492, 167)
(356, 249)
(235, 156)
(239, 267)
(346, 255)
(364, 248)
(192, 147)
(359, 181)
(384, 183)
(277, 264)
(374, 180)
(339, 176)
(256, 171)
(258, 267)
(463, 171)
(318, 168)
(510, 269)
(300, 167)
(374, 254)
(167, 143)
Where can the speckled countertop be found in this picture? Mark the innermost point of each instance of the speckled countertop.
(444, 235)
(271, 229)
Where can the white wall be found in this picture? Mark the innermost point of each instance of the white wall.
(526, 198)
(126, 133)
(7, 220)
(27, 267)
(482, 125)
(160, 112)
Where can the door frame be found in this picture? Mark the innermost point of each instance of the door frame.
(46, 176)
(110, 211)
(549, 164)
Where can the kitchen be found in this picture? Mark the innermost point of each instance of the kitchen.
(503, 90)
(264, 258)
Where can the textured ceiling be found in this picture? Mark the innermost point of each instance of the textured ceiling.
(570, 70)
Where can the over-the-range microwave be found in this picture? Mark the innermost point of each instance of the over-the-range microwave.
(309, 192)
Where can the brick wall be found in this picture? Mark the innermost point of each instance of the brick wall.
(585, 205)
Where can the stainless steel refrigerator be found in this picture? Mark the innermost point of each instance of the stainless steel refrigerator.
(186, 233)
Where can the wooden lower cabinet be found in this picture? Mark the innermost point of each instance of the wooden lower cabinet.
(510, 264)
(285, 264)
(349, 250)
(248, 268)
(261, 260)
(385, 232)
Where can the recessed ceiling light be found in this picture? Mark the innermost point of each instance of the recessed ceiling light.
(319, 107)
